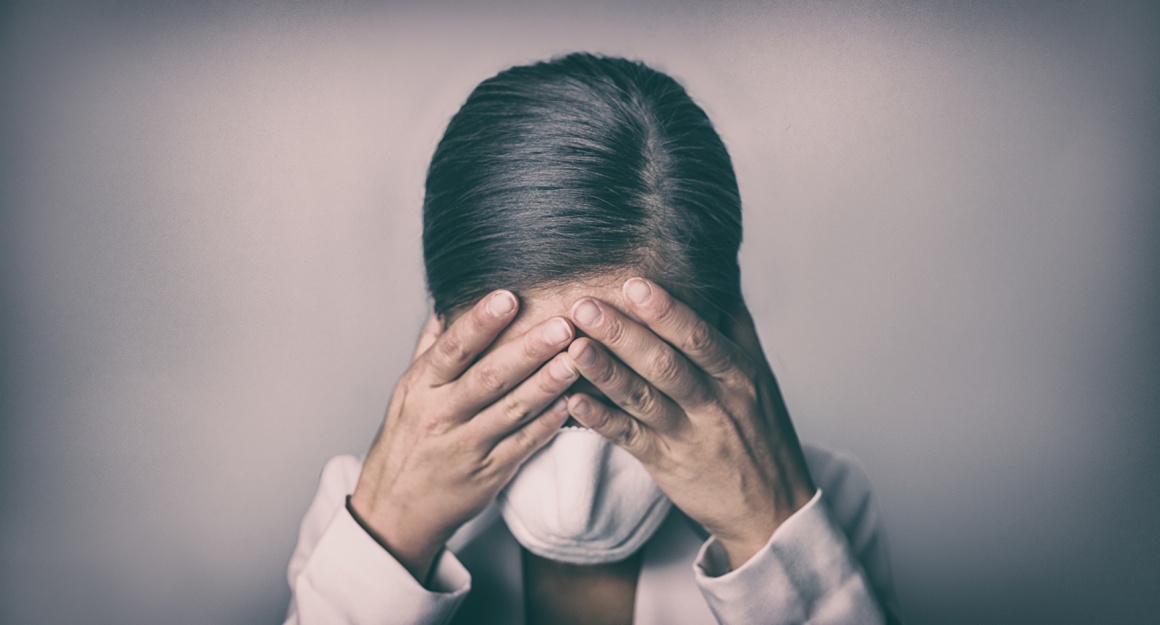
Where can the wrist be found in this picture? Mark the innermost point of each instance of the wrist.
(417, 555)
(743, 543)
(738, 553)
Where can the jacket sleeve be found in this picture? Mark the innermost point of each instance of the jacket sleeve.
(339, 574)
(828, 563)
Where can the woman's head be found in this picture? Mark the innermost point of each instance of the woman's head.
(579, 168)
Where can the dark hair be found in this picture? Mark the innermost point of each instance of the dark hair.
(577, 167)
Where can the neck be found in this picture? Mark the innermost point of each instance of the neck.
(559, 593)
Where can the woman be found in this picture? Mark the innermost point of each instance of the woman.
(589, 431)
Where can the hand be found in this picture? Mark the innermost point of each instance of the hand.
(455, 432)
(700, 409)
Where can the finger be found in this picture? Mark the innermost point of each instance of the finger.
(513, 449)
(509, 364)
(743, 332)
(615, 425)
(431, 331)
(643, 351)
(526, 401)
(625, 387)
(682, 327)
(455, 349)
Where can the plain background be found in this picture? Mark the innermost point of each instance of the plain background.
(212, 275)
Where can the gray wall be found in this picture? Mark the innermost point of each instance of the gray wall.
(212, 276)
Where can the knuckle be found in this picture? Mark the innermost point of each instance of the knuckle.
(513, 410)
(667, 367)
(641, 399)
(718, 409)
(524, 440)
(408, 380)
(495, 469)
(460, 446)
(750, 390)
(702, 395)
(743, 376)
(454, 350)
(435, 423)
(605, 372)
(630, 436)
(699, 338)
(729, 369)
(614, 331)
(488, 378)
(714, 417)
(486, 469)
(529, 441)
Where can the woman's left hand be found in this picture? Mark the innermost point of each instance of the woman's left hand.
(699, 408)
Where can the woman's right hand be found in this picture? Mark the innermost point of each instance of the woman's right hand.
(455, 432)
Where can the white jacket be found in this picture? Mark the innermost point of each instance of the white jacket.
(828, 563)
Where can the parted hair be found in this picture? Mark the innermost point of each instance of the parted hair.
(577, 167)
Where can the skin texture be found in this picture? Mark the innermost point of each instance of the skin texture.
(556, 593)
(455, 432)
(700, 408)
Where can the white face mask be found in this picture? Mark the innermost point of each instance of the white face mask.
(582, 500)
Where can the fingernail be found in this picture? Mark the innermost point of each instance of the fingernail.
(560, 370)
(587, 312)
(557, 332)
(585, 355)
(581, 408)
(560, 405)
(501, 304)
(638, 291)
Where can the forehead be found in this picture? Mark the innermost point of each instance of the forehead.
(540, 304)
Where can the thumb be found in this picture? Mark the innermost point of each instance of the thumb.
(742, 330)
(431, 331)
